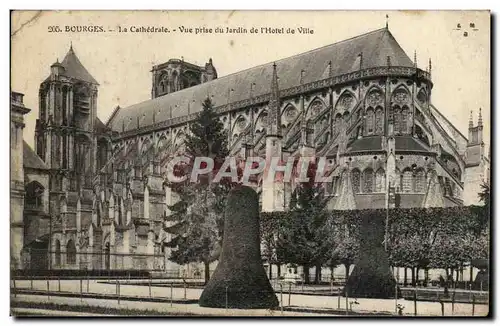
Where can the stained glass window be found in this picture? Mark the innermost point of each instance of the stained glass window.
(71, 253)
(397, 120)
(368, 180)
(420, 181)
(403, 128)
(379, 121)
(380, 181)
(407, 181)
(370, 123)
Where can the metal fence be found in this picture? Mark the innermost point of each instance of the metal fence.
(414, 303)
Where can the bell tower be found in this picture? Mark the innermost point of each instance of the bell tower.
(64, 131)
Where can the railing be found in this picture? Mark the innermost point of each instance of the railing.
(292, 91)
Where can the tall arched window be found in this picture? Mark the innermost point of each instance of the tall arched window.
(70, 253)
(356, 180)
(420, 181)
(34, 195)
(397, 120)
(58, 253)
(403, 127)
(379, 121)
(407, 180)
(368, 180)
(380, 180)
(43, 105)
(65, 152)
(57, 149)
(370, 121)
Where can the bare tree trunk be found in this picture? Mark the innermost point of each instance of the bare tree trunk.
(413, 277)
(306, 274)
(406, 275)
(207, 272)
(270, 271)
(317, 274)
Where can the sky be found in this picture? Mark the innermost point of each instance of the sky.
(121, 62)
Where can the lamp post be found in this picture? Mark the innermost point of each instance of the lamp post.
(391, 199)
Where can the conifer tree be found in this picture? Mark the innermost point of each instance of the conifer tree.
(304, 229)
(196, 219)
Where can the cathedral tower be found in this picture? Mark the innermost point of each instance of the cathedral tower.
(477, 164)
(175, 75)
(64, 133)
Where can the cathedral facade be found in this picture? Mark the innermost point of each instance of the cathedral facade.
(94, 195)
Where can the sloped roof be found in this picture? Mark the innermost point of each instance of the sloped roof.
(375, 46)
(408, 143)
(366, 144)
(74, 68)
(31, 159)
(100, 127)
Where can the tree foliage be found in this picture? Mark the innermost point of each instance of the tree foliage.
(446, 237)
(196, 219)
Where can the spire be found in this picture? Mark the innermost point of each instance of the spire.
(274, 84)
(302, 73)
(415, 58)
(71, 46)
(430, 66)
(330, 69)
(386, 21)
(274, 106)
(75, 69)
(471, 122)
(480, 119)
(360, 55)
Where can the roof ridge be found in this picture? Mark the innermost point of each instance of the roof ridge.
(72, 57)
(264, 64)
(302, 53)
(40, 164)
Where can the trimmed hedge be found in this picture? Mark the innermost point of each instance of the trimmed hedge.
(240, 281)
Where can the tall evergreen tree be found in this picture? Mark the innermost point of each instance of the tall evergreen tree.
(304, 230)
(196, 219)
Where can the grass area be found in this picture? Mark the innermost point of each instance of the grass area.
(92, 309)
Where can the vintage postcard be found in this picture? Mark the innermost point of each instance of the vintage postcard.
(250, 163)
